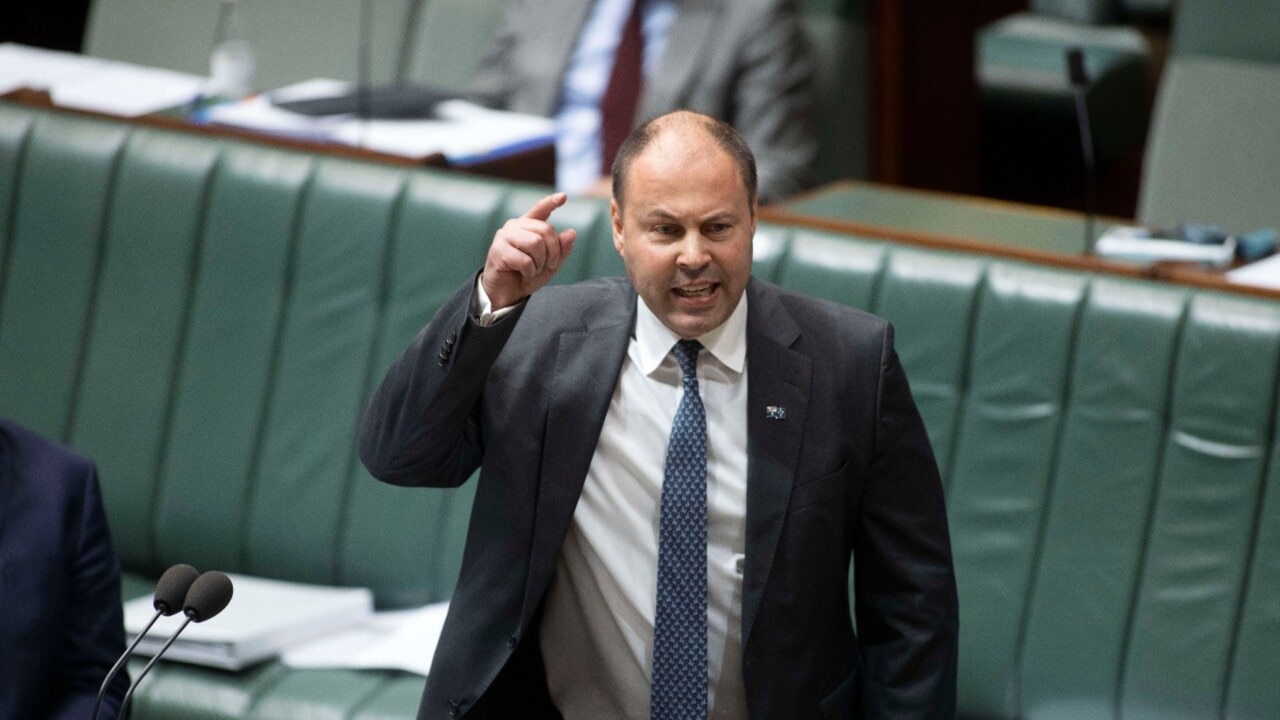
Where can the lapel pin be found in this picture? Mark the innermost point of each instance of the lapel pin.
(774, 412)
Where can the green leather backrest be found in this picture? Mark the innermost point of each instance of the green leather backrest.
(292, 40)
(1002, 461)
(64, 179)
(1213, 149)
(1210, 476)
(1241, 29)
(207, 318)
(135, 331)
(307, 442)
(235, 313)
(930, 298)
(1253, 693)
(1107, 461)
(432, 248)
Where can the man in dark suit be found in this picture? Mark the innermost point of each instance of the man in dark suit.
(674, 472)
(744, 61)
(61, 624)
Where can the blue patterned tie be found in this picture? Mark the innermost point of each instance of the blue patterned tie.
(679, 689)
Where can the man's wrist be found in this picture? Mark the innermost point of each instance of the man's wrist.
(482, 306)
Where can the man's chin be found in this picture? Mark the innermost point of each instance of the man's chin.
(689, 325)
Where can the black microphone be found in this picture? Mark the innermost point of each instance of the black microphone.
(1079, 86)
(208, 595)
(171, 591)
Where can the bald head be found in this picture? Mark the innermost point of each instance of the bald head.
(685, 131)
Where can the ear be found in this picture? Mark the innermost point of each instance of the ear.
(616, 215)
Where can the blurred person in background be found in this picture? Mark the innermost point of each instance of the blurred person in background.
(600, 67)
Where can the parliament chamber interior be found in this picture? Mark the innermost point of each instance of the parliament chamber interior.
(200, 289)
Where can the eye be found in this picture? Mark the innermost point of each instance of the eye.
(665, 229)
(718, 228)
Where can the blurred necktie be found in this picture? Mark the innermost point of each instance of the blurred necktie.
(618, 107)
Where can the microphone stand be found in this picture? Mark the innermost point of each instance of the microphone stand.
(120, 663)
(124, 705)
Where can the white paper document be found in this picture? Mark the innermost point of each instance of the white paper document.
(264, 618)
(465, 133)
(398, 640)
(89, 83)
(1263, 273)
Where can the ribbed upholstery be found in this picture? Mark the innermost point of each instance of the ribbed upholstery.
(135, 331)
(207, 318)
(431, 248)
(319, 371)
(1253, 693)
(1211, 471)
(930, 298)
(1005, 449)
(236, 317)
(1091, 551)
(830, 267)
(59, 210)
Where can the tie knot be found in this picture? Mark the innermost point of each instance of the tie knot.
(686, 352)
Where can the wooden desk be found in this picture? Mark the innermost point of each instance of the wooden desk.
(958, 217)
(536, 166)
(1047, 236)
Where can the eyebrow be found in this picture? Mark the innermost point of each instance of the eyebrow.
(661, 214)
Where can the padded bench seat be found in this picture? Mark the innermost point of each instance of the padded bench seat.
(205, 318)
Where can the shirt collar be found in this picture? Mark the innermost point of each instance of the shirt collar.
(726, 343)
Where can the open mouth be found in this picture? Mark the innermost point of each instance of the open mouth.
(696, 291)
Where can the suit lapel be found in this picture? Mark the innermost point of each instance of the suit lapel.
(777, 377)
(687, 41)
(587, 363)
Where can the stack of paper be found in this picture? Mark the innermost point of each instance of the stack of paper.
(463, 132)
(399, 640)
(264, 618)
(1263, 273)
(87, 83)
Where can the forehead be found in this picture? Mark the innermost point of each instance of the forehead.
(684, 169)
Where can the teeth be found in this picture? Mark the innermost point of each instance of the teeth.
(691, 292)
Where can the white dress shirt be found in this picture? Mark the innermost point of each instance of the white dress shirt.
(597, 625)
(578, 124)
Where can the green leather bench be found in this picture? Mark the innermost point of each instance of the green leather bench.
(205, 318)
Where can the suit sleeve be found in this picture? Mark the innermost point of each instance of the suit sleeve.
(94, 635)
(907, 610)
(422, 426)
(772, 101)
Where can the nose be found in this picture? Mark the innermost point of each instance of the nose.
(693, 254)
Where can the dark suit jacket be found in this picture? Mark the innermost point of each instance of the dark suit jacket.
(61, 624)
(849, 470)
(743, 61)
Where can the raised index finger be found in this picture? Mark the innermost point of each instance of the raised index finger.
(542, 209)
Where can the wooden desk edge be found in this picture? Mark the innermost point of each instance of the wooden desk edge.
(535, 165)
(1171, 273)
